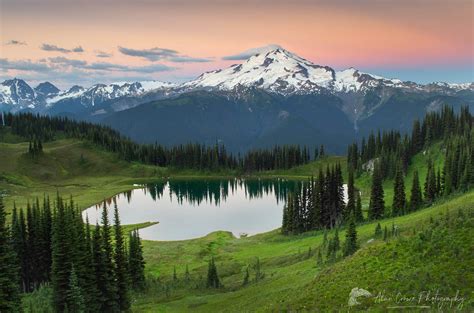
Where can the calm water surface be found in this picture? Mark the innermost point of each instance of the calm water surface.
(188, 209)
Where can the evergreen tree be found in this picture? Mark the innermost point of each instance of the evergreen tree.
(430, 184)
(136, 262)
(109, 288)
(89, 283)
(377, 204)
(358, 212)
(212, 276)
(61, 257)
(416, 197)
(121, 267)
(286, 223)
(351, 238)
(399, 197)
(98, 265)
(9, 278)
(20, 246)
(75, 298)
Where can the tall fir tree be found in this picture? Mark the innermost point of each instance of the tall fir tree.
(98, 266)
(430, 184)
(136, 263)
(75, 297)
(212, 276)
(359, 217)
(9, 278)
(377, 203)
(61, 257)
(20, 246)
(416, 197)
(109, 288)
(121, 267)
(350, 245)
(399, 197)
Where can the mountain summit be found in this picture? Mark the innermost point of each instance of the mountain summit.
(284, 72)
(277, 70)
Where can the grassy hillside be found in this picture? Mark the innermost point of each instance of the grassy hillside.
(426, 255)
(69, 167)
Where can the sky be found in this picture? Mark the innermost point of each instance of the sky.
(84, 42)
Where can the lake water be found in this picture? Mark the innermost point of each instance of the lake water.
(188, 209)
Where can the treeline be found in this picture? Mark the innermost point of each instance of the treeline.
(317, 204)
(191, 156)
(89, 270)
(391, 148)
(280, 157)
(457, 139)
(457, 174)
(35, 148)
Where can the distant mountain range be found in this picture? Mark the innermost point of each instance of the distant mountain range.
(273, 97)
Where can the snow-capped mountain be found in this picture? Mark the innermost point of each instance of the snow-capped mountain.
(278, 70)
(283, 72)
(17, 95)
(16, 92)
(275, 70)
(100, 93)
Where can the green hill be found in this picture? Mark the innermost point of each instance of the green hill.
(426, 256)
(67, 166)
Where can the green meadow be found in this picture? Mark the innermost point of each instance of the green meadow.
(430, 250)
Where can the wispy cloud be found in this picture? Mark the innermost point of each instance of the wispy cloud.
(153, 54)
(64, 64)
(186, 59)
(67, 62)
(102, 54)
(78, 49)
(15, 43)
(106, 66)
(66, 71)
(157, 54)
(54, 48)
(23, 65)
(250, 52)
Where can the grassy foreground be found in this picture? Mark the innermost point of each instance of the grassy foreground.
(422, 258)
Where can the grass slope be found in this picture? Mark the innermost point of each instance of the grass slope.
(293, 279)
(70, 168)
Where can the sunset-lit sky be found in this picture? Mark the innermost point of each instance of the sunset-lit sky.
(88, 41)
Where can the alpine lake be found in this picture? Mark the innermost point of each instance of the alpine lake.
(192, 208)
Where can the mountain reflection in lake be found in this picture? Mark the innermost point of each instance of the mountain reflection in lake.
(193, 208)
